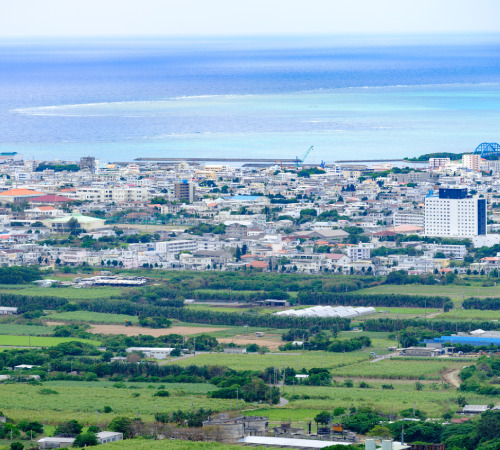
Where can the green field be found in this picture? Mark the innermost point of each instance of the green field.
(91, 317)
(82, 400)
(433, 402)
(295, 360)
(397, 368)
(32, 330)
(456, 293)
(37, 341)
(64, 292)
(469, 314)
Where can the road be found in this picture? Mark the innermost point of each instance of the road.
(380, 358)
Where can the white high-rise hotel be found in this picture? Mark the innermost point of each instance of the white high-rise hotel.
(453, 213)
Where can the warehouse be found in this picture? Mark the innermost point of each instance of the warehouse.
(152, 352)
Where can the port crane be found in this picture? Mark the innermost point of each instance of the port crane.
(299, 162)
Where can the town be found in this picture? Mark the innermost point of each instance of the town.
(347, 219)
(268, 304)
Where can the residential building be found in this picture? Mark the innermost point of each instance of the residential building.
(185, 191)
(408, 219)
(454, 214)
(472, 162)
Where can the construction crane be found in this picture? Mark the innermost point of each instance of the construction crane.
(299, 162)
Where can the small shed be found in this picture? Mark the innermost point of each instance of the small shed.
(237, 350)
(55, 442)
(104, 437)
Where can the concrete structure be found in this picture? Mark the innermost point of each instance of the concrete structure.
(436, 163)
(55, 442)
(358, 253)
(152, 352)
(185, 191)
(7, 310)
(417, 220)
(422, 351)
(472, 162)
(87, 163)
(86, 223)
(19, 195)
(231, 430)
(105, 437)
(454, 214)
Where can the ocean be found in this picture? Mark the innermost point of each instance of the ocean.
(268, 97)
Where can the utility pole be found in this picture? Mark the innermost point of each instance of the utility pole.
(236, 399)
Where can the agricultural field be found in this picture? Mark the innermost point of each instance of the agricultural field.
(32, 330)
(64, 292)
(314, 399)
(401, 368)
(295, 360)
(83, 400)
(90, 317)
(38, 341)
(470, 314)
(456, 293)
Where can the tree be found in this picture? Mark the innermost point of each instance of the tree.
(16, 446)
(72, 224)
(70, 428)
(489, 425)
(323, 417)
(122, 425)
(87, 439)
(237, 254)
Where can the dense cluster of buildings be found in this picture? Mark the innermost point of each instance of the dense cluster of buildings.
(222, 217)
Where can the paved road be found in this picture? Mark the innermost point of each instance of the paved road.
(380, 358)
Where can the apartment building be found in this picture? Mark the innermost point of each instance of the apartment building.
(454, 213)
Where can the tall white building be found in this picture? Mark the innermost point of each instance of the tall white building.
(472, 162)
(358, 253)
(453, 213)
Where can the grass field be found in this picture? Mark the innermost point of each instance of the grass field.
(395, 368)
(32, 330)
(91, 317)
(82, 400)
(37, 341)
(456, 293)
(433, 402)
(295, 360)
(470, 314)
(64, 292)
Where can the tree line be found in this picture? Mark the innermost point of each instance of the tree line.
(442, 326)
(482, 303)
(391, 300)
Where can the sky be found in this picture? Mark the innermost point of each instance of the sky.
(74, 18)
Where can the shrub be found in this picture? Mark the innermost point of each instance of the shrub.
(161, 393)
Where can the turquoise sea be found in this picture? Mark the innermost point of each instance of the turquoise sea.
(350, 98)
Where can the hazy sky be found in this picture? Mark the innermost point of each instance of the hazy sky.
(220, 17)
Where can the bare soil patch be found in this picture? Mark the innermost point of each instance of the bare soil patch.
(136, 331)
(270, 343)
(54, 324)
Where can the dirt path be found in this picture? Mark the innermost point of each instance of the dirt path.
(452, 378)
(136, 331)
(271, 344)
